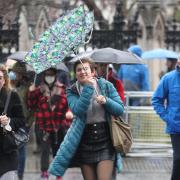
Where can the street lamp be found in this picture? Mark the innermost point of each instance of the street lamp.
(8, 39)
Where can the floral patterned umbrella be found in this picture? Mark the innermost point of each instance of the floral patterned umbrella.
(61, 39)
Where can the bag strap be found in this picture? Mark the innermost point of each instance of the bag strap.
(119, 118)
(7, 102)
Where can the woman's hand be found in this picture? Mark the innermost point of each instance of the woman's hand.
(32, 87)
(100, 99)
(4, 121)
(91, 81)
(69, 115)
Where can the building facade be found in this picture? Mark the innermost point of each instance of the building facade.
(34, 16)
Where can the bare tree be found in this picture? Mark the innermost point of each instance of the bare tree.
(7, 6)
(98, 14)
(92, 6)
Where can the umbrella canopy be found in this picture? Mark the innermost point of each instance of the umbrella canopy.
(62, 66)
(61, 39)
(18, 56)
(159, 54)
(110, 55)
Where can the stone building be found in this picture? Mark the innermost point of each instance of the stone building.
(34, 16)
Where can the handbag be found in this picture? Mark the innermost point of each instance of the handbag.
(21, 137)
(121, 135)
(9, 144)
(120, 131)
(13, 139)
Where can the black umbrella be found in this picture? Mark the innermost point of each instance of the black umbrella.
(18, 57)
(110, 55)
(62, 66)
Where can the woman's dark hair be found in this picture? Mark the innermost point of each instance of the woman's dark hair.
(19, 67)
(85, 60)
(51, 70)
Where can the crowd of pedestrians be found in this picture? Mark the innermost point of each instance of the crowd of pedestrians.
(71, 120)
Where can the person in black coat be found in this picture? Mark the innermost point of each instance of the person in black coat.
(11, 121)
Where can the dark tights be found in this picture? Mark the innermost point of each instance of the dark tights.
(99, 171)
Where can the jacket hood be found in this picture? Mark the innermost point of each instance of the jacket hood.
(136, 49)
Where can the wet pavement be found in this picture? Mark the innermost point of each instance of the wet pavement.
(144, 162)
(134, 168)
(75, 175)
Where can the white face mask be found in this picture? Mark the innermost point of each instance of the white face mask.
(49, 79)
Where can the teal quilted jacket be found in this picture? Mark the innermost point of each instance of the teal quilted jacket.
(79, 105)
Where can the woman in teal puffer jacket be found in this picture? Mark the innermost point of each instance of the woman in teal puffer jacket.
(88, 140)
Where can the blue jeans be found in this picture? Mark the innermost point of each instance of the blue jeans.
(21, 161)
(175, 140)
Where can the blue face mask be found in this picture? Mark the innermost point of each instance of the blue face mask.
(12, 75)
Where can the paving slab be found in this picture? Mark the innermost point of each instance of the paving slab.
(134, 168)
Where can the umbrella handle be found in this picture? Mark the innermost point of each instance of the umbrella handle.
(35, 77)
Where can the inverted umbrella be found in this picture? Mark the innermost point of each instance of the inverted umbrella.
(61, 39)
(159, 54)
(110, 55)
(20, 56)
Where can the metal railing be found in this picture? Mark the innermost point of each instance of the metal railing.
(147, 128)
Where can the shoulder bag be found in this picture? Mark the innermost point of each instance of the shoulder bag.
(121, 134)
(13, 139)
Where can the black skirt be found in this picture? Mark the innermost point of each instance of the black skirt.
(95, 145)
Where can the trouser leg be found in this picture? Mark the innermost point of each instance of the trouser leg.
(56, 139)
(21, 160)
(45, 152)
(175, 139)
